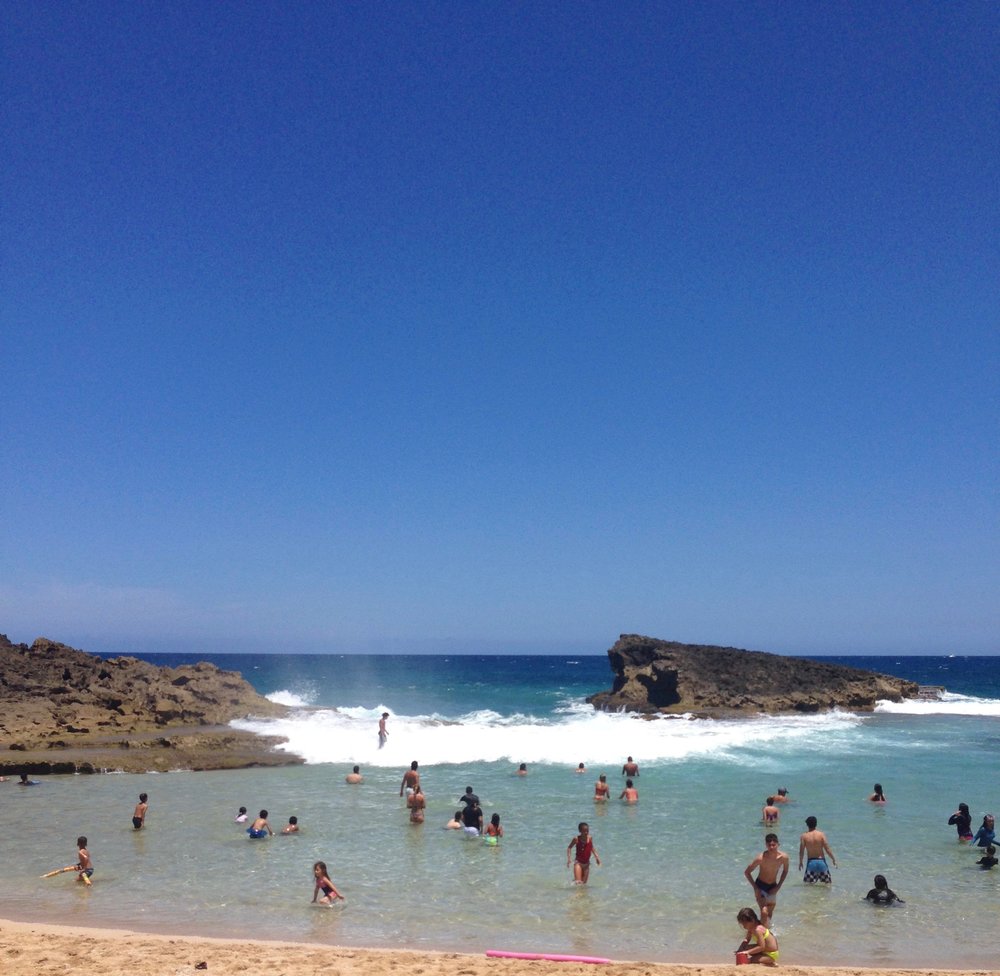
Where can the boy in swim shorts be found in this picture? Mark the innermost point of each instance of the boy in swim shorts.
(139, 815)
(767, 883)
(813, 842)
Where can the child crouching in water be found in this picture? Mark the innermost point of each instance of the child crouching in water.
(763, 948)
(324, 884)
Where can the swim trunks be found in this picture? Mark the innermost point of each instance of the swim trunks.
(256, 834)
(817, 870)
(136, 822)
(767, 889)
(89, 872)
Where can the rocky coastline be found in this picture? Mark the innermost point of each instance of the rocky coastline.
(65, 711)
(660, 677)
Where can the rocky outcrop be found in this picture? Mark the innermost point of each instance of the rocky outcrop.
(663, 677)
(134, 714)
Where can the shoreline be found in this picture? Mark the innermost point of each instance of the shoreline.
(44, 949)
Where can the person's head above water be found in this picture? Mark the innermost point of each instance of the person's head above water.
(811, 823)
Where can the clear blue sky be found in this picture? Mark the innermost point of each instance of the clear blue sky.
(410, 326)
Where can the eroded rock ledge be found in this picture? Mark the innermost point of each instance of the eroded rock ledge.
(63, 710)
(664, 677)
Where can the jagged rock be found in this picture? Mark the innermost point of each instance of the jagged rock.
(664, 677)
(52, 695)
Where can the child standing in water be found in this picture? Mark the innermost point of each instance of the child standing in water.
(84, 866)
(139, 814)
(324, 884)
(493, 831)
(764, 947)
(584, 845)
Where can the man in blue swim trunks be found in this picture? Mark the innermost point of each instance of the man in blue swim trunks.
(813, 842)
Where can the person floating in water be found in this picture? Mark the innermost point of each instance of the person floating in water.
(324, 884)
(877, 795)
(813, 842)
(990, 860)
(383, 732)
(961, 820)
(882, 894)
(139, 814)
(583, 844)
(986, 834)
(767, 884)
(630, 794)
(760, 945)
(260, 827)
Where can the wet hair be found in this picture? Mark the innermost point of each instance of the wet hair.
(262, 815)
(581, 766)
(811, 823)
(747, 915)
(583, 824)
(770, 800)
(964, 807)
(458, 815)
(602, 778)
(495, 820)
(143, 797)
(880, 882)
(628, 783)
(243, 809)
(468, 789)
(770, 837)
(81, 842)
(293, 820)
(523, 766)
(321, 865)
(991, 850)
(385, 715)
(782, 791)
(413, 765)
(357, 769)
(878, 791)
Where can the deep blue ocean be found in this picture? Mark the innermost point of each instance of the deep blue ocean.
(671, 879)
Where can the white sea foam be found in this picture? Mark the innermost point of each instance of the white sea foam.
(949, 704)
(349, 734)
(290, 698)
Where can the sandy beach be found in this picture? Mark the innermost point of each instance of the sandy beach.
(30, 949)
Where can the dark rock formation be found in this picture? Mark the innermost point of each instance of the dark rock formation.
(136, 714)
(663, 677)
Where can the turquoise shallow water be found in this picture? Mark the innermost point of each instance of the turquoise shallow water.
(672, 878)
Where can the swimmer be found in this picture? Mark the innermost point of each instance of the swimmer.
(630, 794)
(455, 823)
(241, 817)
(416, 802)
(493, 831)
(292, 827)
(581, 768)
(139, 814)
(770, 814)
(522, 770)
(782, 795)
(764, 947)
(260, 827)
(813, 842)
(990, 860)
(354, 776)
(961, 820)
(410, 778)
(584, 845)
(602, 792)
(877, 795)
(882, 894)
(767, 884)
(324, 884)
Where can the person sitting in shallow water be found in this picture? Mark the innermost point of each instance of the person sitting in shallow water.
(882, 894)
(990, 860)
